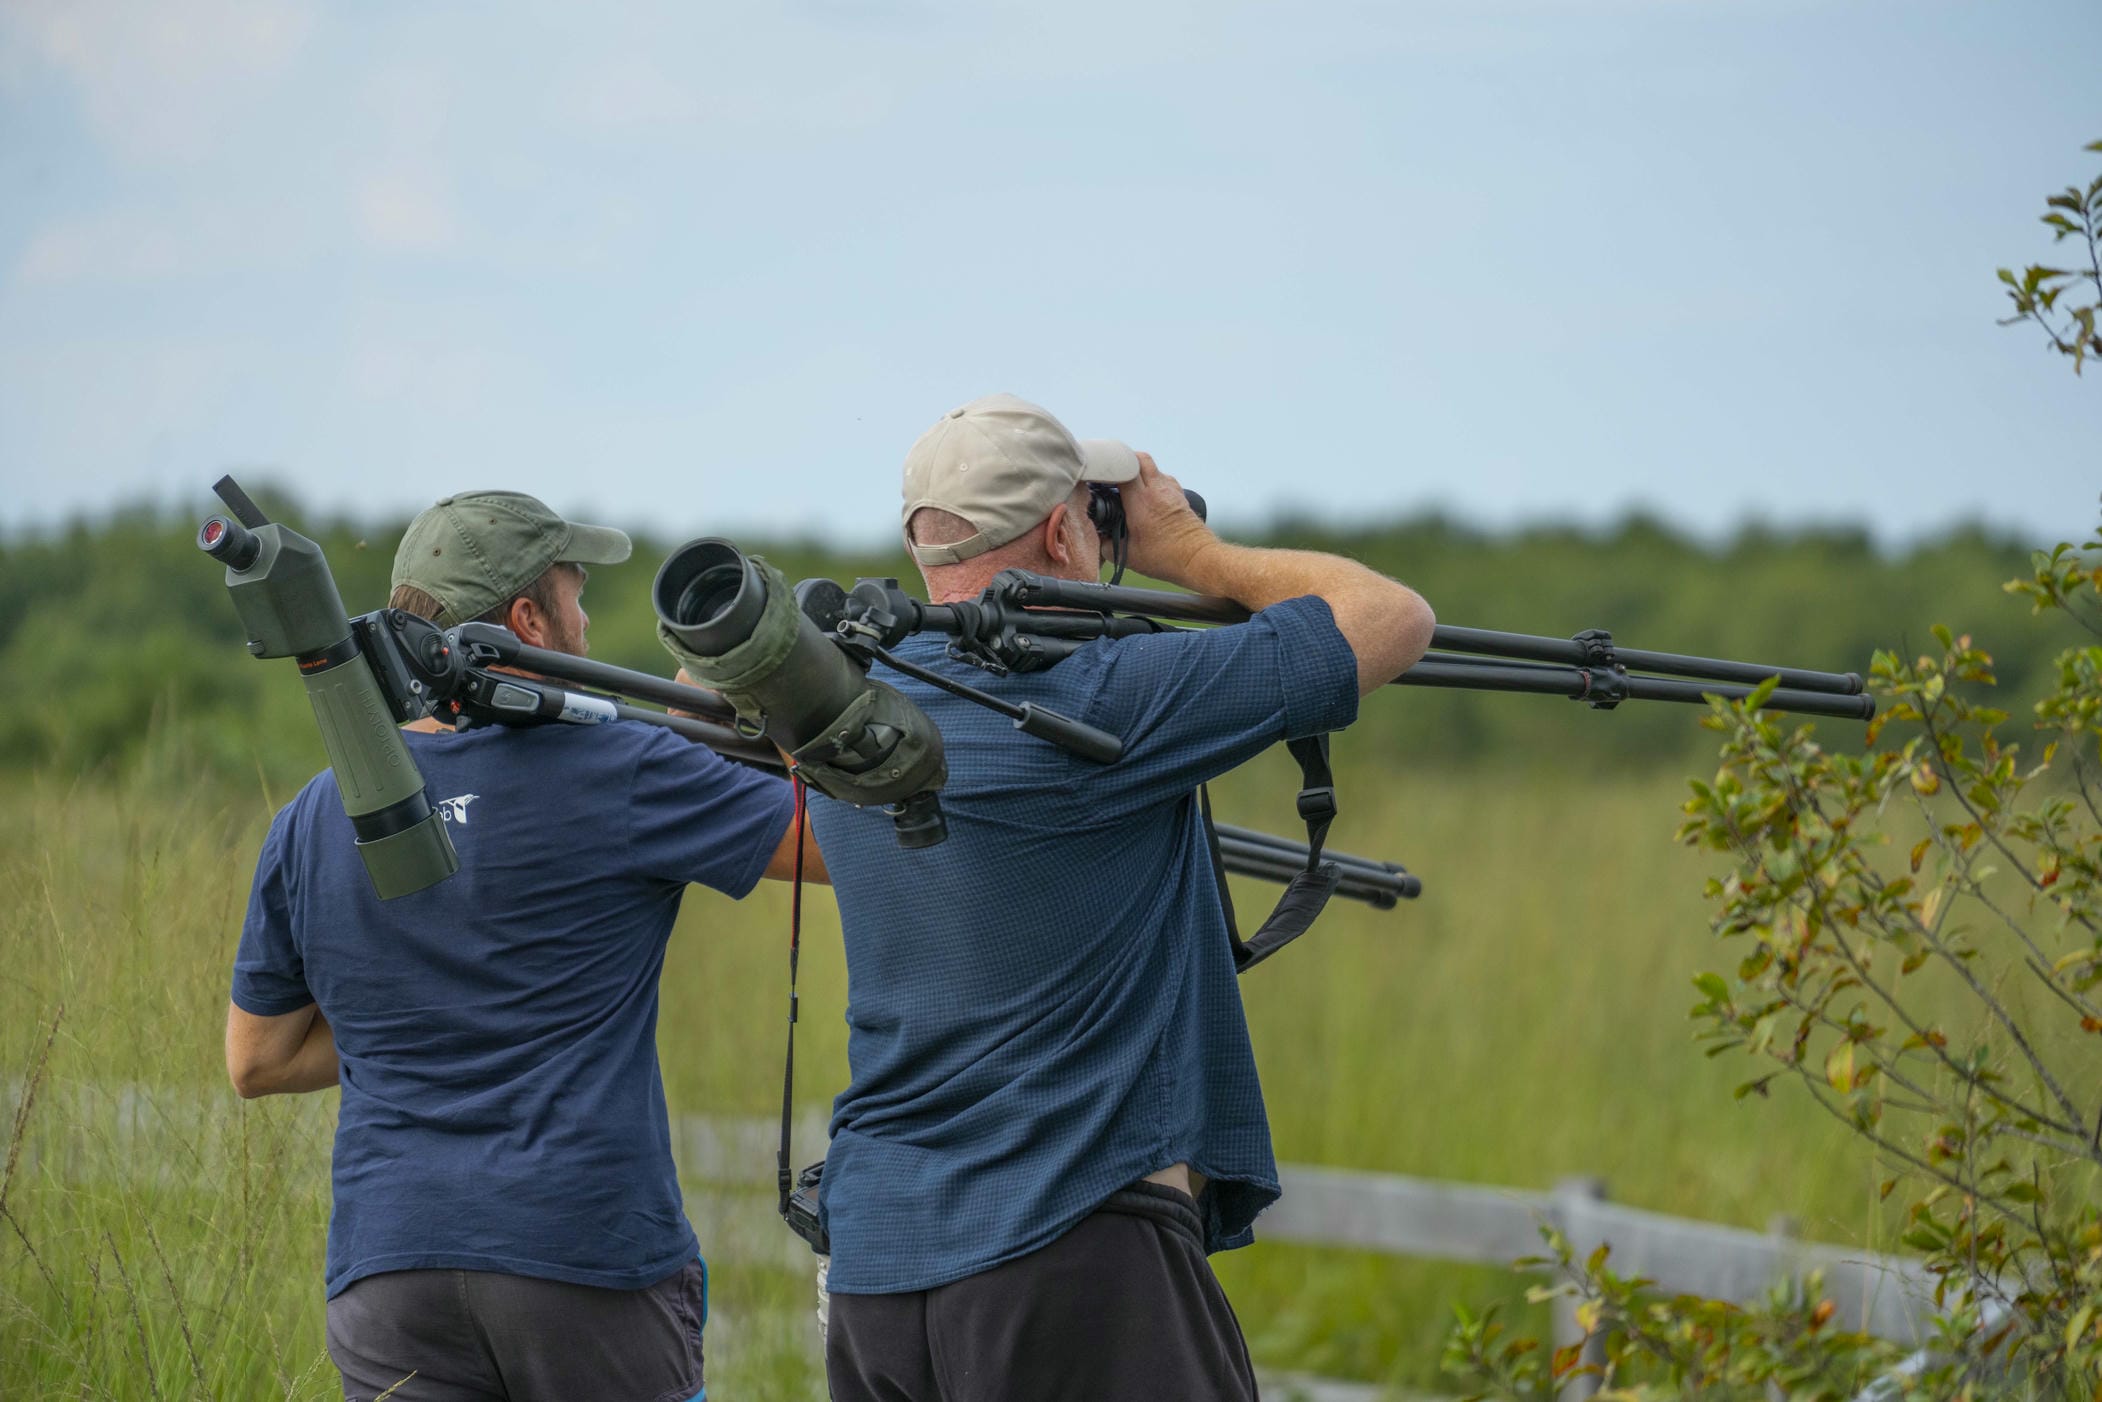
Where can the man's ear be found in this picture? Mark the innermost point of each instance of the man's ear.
(525, 619)
(1054, 529)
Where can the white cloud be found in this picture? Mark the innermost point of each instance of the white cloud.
(421, 361)
(628, 92)
(406, 209)
(733, 98)
(144, 243)
(89, 420)
(101, 249)
(402, 197)
(425, 377)
(160, 79)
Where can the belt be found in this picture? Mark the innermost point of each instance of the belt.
(1166, 1207)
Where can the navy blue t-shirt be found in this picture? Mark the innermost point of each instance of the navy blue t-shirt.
(1043, 1009)
(502, 1108)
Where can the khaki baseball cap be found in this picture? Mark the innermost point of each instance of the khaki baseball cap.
(1002, 464)
(475, 550)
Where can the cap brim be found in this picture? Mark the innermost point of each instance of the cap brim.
(595, 545)
(1107, 460)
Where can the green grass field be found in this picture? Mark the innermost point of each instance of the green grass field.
(1524, 1021)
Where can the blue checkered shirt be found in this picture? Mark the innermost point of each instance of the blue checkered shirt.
(1043, 1008)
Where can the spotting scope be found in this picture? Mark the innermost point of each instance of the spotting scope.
(732, 622)
(287, 600)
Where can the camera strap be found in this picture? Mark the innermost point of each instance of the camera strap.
(784, 1173)
(1306, 895)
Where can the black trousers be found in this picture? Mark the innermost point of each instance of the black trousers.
(1124, 1306)
(476, 1336)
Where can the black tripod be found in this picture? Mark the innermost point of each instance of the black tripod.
(463, 687)
(1024, 622)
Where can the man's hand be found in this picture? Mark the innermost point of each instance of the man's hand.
(1387, 625)
(1166, 536)
(683, 679)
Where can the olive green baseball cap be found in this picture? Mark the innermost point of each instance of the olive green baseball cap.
(475, 550)
(1002, 464)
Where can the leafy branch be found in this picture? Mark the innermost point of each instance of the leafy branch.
(2040, 293)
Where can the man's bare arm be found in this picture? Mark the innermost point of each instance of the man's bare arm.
(1387, 624)
(280, 1055)
(782, 865)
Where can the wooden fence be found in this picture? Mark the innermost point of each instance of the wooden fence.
(1883, 1295)
(162, 1134)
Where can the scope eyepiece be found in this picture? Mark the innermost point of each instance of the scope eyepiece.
(229, 542)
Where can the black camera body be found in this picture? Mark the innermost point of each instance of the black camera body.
(800, 1210)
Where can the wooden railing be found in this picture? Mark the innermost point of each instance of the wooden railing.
(87, 1131)
(1883, 1295)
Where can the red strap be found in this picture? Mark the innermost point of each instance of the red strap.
(795, 899)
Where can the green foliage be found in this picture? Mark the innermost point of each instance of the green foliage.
(1919, 934)
(2038, 291)
(1648, 1347)
(161, 1238)
(1940, 1006)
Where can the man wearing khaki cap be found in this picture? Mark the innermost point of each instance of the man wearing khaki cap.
(1054, 1114)
(507, 1220)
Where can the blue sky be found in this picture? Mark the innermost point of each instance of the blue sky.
(710, 268)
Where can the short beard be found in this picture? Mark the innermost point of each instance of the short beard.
(559, 638)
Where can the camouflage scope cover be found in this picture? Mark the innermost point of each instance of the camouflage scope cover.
(879, 749)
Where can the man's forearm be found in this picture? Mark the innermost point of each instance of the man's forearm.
(313, 1066)
(1387, 624)
(1256, 578)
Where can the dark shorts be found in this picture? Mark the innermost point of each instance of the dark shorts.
(1124, 1306)
(476, 1336)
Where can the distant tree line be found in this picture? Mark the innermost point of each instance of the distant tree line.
(122, 652)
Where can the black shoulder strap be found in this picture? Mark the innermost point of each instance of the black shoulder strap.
(1308, 892)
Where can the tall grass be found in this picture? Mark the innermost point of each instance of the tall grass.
(1523, 1021)
(160, 1237)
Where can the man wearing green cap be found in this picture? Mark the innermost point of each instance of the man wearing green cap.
(506, 1221)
